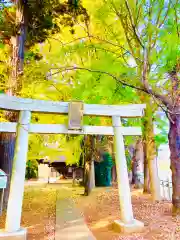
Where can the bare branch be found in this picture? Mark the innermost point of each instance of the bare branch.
(125, 26)
(138, 13)
(100, 40)
(71, 68)
(158, 17)
(176, 19)
(149, 33)
(165, 110)
(115, 53)
(133, 25)
(90, 36)
(166, 101)
(119, 15)
(145, 70)
(166, 14)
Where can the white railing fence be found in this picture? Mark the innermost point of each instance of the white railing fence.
(166, 189)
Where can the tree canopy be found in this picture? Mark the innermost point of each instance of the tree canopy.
(41, 19)
(95, 59)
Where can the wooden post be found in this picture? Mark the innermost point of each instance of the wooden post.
(92, 175)
(14, 209)
(127, 223)
(122, 173)
(74, 177)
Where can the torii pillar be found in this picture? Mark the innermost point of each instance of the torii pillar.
(13, 230)
(126, 223)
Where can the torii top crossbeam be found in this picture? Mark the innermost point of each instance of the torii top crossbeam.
(21, 104)
(14, 103)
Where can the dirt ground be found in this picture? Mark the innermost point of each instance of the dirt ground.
(102, 208)
(38, 214)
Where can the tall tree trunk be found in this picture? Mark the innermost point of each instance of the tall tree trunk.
(138, 165)
(174, 139)
(174, 145)
(146, 176)
(87, 186)
(146, 170)
(114, 174)
(150, 153)
(89, 157)
(130, 173)
(92, 175)
(7, 140)
(131, 153)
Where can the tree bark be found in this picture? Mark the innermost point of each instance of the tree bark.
(146, 171)
(174, 145)
(138, 165)
(89, 156)
(146, 176)
(7, 140)
(87, 187)
(131, 153)
(150, 153)
(114, 174)
(92, 175)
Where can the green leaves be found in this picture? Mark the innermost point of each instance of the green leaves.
(41, 24)
(31, 169)
(162, 130)
(1, 45)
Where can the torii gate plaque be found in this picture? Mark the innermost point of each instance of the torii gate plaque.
(75, 115)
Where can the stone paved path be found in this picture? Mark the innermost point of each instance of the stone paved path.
(70, 225)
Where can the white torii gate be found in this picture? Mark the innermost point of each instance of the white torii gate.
(127, 223)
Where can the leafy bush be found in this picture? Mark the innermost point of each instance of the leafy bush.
(31, 169)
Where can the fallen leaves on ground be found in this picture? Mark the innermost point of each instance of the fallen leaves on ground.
(38, 215)
(101, 208)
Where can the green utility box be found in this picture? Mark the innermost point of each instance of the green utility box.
(3, 185)
(103, 171)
